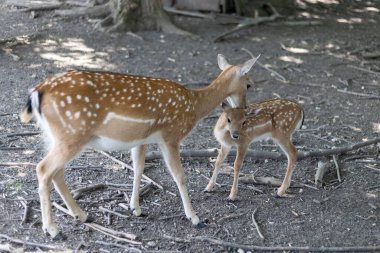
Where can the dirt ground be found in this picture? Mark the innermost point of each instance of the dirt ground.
(327, 70)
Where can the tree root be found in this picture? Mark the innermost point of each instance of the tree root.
(248, 22)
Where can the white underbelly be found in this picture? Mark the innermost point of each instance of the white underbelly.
(109, 144)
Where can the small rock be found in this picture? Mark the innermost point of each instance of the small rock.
(151, 244)
(240, 251)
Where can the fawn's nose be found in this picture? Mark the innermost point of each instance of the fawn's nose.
(235, 135)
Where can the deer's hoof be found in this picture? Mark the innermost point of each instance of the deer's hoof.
(59, 237)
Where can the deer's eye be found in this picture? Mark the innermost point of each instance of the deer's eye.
(228, 120)
(245, 122)
(248, 86)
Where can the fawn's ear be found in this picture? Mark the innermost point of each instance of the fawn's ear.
(246, 67)
(225, 105)
(222, 62)
(253, 112)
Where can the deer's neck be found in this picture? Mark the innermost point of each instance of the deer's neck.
(207, 99)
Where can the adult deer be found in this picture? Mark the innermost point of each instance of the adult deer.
(275, 118)
(113, 111)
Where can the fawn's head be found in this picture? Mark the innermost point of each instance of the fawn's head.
(235, 120)
(240, 81)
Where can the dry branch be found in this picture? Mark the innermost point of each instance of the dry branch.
(365, 70)
(113, 212)
(248, 22)
(118, 235)
(33, 244)
(78, 192)
(11, 164)
(249, 179)
(257, 225)
(98, 11)
(336, 162)
(258, 154)
(323, 167)
(371, 55)
(231, 216)
(128, 167)
(33, 5)
(279, 248)
(358, 94)
(129, 249)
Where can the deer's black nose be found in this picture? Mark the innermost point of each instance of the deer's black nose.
(235, 135)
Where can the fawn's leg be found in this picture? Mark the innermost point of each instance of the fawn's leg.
(138, 159)
(223, 152)
(291, 153)
(240, 155)
(171, 155)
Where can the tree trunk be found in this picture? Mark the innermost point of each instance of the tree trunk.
(138, 15)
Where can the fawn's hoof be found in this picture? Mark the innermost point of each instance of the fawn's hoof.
(200, 225)
(136, 211)
(89, 219)
(59, 237)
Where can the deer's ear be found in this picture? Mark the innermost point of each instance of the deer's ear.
(225, 105)
(253, 112)
(246, 67)
(222, 62)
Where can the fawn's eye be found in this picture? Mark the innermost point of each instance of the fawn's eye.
(248, 86)
(244, 122)
(228, 120)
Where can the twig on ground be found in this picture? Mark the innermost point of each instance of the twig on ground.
(372, 168)
(336, 162)
(118, 235)
(78, 192)
(33, 244)
(257, 225)
(271, 181)
(279, 248)
(322, 168)
(113, 244)
(61, 208)
(26, 206)
(231, 216)
(204, 176)
(258, 154)
(248, 22)
(170, 217)
(313, 129)
(186, 13)
(176, 239)
(358, 94)
(124, 206)
(365, 70)
(128, 167)
(371, 55)
(112, 212)
(80, 245)
(372, 216)
(21, 134)
(367, 161)
(11, 164)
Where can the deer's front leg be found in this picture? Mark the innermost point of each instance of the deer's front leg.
(172, 159)
(138, 159)
(240, 155)
(223, 152)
